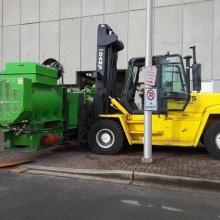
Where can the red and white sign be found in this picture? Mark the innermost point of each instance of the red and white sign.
(150, 99)
(150, 75)
(150, 94)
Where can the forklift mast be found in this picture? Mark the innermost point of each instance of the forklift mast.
(108, 47)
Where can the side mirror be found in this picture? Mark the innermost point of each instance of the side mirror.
(196, 75)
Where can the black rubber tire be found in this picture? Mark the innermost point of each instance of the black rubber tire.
(209, 139)
(115, 129)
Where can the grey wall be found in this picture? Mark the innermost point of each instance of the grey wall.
(66, 30)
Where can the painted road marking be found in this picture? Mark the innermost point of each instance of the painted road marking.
(171, 209)
(131, 202)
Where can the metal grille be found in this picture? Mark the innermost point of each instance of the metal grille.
(7, 107)
(15, 99)
(15, 107)
(15, 95)
(1, 94)
(5, 99)
(1, 97)
(7, 91)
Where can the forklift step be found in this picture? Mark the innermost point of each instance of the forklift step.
(153, 132)
(135, 122)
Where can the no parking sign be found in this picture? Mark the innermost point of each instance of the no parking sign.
(150, 99)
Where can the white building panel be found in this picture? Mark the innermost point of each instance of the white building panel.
(70, 48)
(30, 11)
(11, 12)
(216, 86)
(89, 42)
(112, 6)
(216, 43)
(167, 3)
(168, 30)
(207, 86)
(11, 44)
(191, 1)
(49, 10)
(136, 34)
(49, 40)
(68, 30)
(1, 12)
(70, 8)
(93, 7)
(119, 23)
(197, 31)
(137, 4)
(30, 42)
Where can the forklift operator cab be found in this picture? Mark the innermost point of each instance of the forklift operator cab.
(171, 84)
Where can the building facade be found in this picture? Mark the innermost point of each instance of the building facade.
(66, 30)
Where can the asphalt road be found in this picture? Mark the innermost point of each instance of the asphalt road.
(30, 197)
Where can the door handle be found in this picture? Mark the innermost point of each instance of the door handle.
(167, 95)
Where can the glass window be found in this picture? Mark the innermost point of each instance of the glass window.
(171, 79)
(173, 83)
(172, 75)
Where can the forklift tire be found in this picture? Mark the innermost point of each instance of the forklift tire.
(212, 139)
(106, 137)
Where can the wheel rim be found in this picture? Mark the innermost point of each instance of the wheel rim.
(105, 138)
(217, 140)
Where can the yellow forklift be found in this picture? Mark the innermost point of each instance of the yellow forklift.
(184, 116)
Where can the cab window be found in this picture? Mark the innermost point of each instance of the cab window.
(171, 79)
(173, 83)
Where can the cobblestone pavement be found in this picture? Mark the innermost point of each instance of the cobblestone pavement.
(10, 154)
(187, 162)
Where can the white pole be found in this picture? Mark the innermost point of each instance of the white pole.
(148, 63)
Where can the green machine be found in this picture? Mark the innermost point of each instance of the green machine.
(36, 111)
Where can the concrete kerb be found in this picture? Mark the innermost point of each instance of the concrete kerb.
(197, 183)
(85, 177)
(114, 174)
(127, 176)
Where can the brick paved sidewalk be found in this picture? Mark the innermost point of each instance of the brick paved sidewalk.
(196, 163)
(185, 162)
